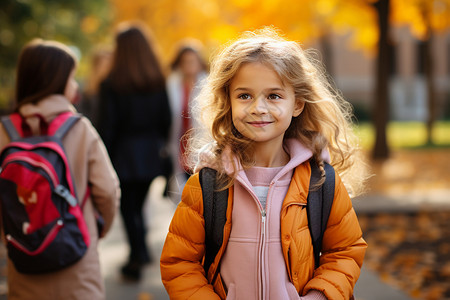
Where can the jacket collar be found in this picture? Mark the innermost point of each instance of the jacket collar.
(299, 186)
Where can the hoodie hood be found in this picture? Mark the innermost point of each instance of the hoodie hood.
(47, 109)
(297, 151)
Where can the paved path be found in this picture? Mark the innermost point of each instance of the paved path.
(114, 250)
(159, 210)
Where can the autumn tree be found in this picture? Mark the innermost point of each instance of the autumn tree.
(381, 103)
(79, 23)
(76, 22)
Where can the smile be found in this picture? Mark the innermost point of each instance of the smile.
(259, 123)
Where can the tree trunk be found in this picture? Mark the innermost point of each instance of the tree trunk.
(327, 56)
(381, 105)
(429, 76)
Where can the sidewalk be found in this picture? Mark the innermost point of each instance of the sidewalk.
(114, 250)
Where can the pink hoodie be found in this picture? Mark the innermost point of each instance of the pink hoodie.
(253, 266)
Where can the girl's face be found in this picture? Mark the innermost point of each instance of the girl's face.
(71, 90)
(262, 105)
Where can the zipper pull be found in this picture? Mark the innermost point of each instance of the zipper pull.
(263, 220)
(65, 194)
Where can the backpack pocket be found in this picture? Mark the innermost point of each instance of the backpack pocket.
(47, 249)
(49, 236)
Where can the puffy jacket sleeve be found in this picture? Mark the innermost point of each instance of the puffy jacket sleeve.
(182, 271)
(343, 250)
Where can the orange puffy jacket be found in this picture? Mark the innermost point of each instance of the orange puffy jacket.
(343, 247)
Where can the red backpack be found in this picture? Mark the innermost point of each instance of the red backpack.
(42, 220)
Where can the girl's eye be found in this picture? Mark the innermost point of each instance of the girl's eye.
(244, 96)
(274, 97)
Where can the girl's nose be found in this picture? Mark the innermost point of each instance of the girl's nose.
(259, 106)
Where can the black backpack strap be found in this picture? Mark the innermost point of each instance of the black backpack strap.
(64, 128)
(214, 212)
(320, 200)
(10, 128)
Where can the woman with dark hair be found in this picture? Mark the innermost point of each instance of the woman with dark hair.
(45, 88)
(134, 124)
(188, 70)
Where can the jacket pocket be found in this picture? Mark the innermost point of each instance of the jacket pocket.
(303, 244)
(300, 255)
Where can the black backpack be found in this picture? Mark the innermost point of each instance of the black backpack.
(320, 200)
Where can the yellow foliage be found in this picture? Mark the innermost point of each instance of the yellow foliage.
(214, 22)
(421, 15)
(90, 24)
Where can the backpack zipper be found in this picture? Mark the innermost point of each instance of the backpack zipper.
(35, 163)
(48, 239)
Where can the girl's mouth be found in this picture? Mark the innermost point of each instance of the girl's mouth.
(259, 123)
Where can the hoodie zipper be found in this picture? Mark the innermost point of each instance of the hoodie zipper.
(262, 237)
(263, 242)
(261, 253)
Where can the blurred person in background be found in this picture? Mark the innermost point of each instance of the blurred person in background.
(188, 71)
(99, 69)
(134, 123)
(45, 88)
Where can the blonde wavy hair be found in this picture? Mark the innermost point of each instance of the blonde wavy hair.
(325, 122)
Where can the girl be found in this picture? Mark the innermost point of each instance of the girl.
(45, 88)
(267, 110)
(134, 124)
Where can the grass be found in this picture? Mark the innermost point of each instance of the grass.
(406, 135)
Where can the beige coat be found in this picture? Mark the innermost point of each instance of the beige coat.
(90, 164)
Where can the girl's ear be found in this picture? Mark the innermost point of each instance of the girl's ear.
(299, 106)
